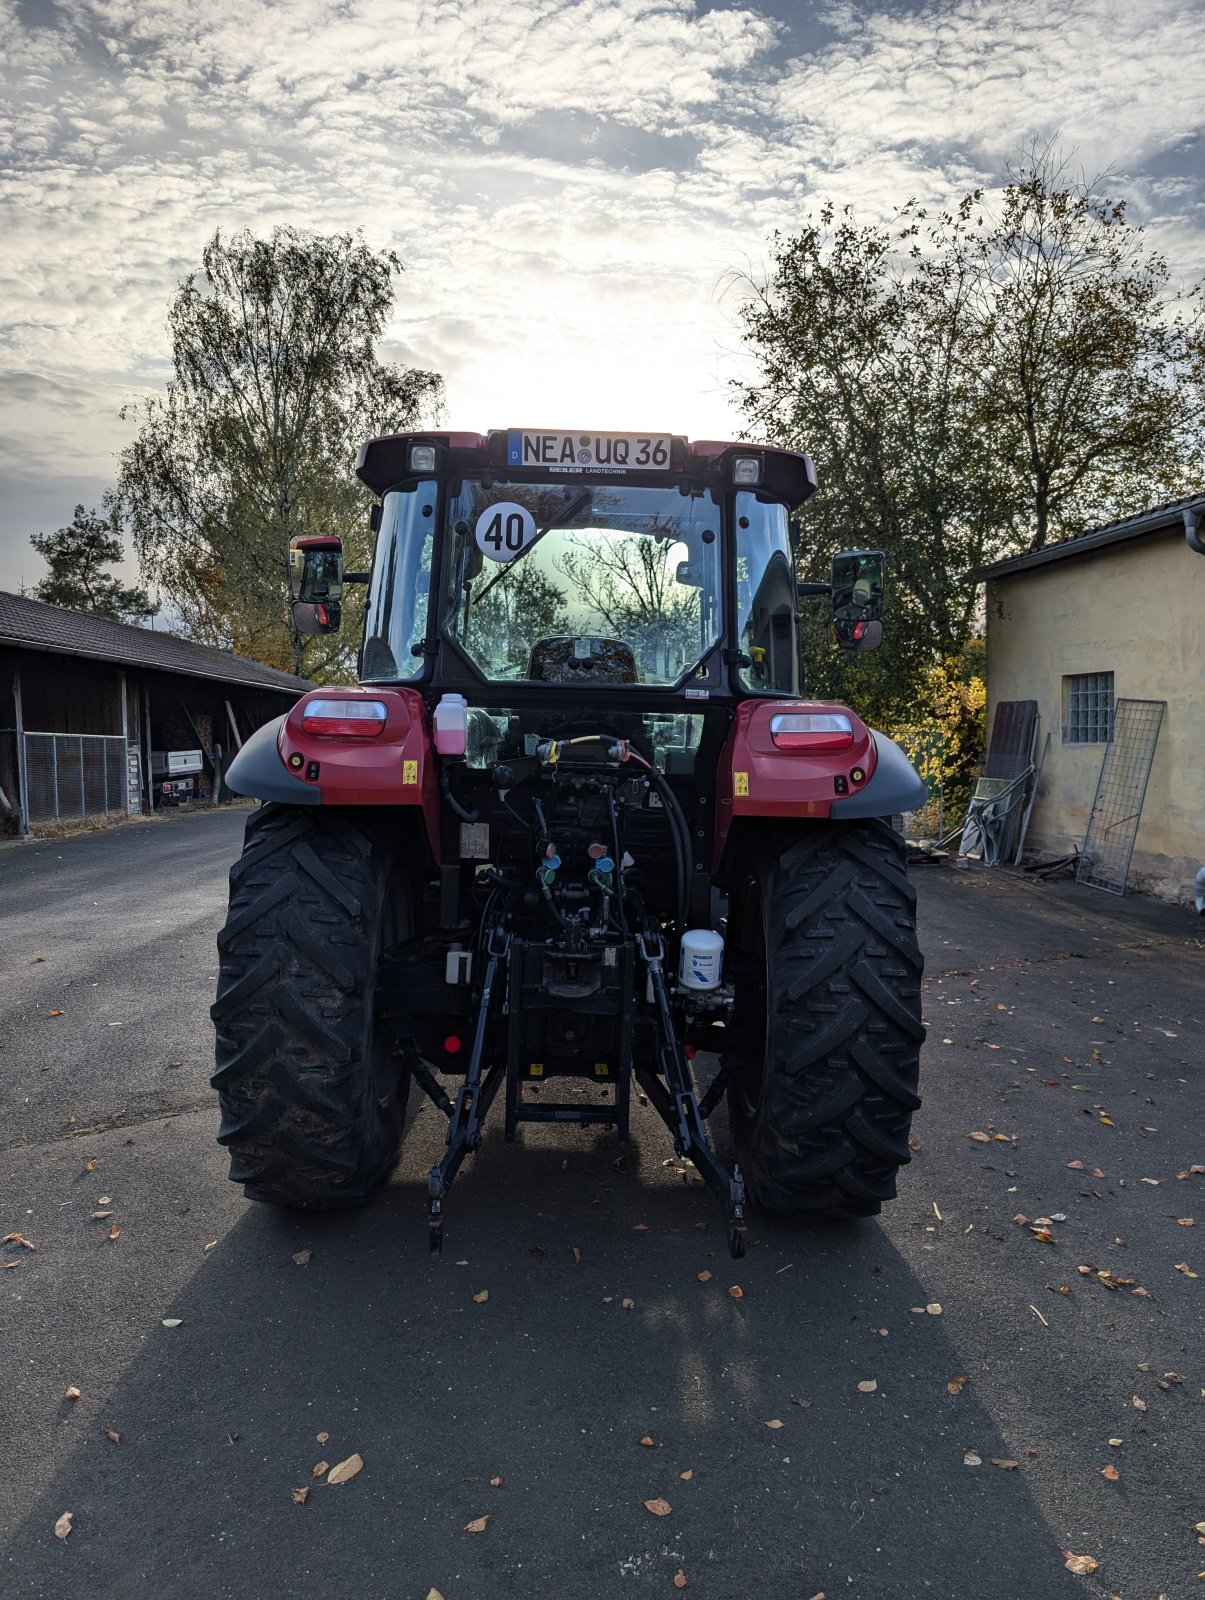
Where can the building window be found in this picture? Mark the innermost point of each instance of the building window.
(1088, 708)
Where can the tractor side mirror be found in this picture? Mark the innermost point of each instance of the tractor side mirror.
(315, 566)
(859, 580)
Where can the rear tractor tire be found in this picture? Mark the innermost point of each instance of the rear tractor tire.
(827, 1023)
(312, 1094)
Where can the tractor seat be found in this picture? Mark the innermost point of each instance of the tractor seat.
(582, 660)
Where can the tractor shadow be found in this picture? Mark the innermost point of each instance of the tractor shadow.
(584, 1302)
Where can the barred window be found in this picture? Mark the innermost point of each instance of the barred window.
(1088, 708)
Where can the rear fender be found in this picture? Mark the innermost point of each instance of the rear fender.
(396, 767)
(871, 777)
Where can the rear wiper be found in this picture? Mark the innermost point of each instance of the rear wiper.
(563, 516)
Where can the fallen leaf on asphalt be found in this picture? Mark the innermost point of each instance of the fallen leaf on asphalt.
(212, 1245)
(1116, 1442)
(1043, 1235)
(641, 1227)
(1181, 1266)
(72, 1392)
(495, 1483)
(477, 1525)
(1106, 1122)
(318, 1470)
(736, 1292)
(1002, 1138)
(957, 1385)
(1110, 1472)
(972, 1460)
(704, 1276)
(99, 1216)
(1138, 1403)
(775, 1423)
(648, 1442)
(868, 1385)
(58, 1014)
(302, 1257)
(1043, 1222)
(8, 1264)
(679, 1579)
(481, 1297)
(111, 1435)
(1143, 1294)
(979, 1138)
(1004, 1464)
(434, 1594)
(626, 1304)
(322, 1437)
(19, 1238)
(1154, 1182)
(687, 1475)
(63, 1526)
(1075, 1166)
(1021, 1220)
(172, 1322)
(346, 1469)
(659, 1507)
(1185, 1222)
(114, 1231)
(1084, 1566)
(934, 1308)
(300, 1496)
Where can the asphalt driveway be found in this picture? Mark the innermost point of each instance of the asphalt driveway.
(946, 1402)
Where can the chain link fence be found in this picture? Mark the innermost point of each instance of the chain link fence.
(75, 775)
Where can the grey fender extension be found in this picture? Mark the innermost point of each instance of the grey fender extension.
(259, 773)
(895, 785)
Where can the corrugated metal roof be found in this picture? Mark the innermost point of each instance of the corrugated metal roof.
(1157, 519)
(35, 626)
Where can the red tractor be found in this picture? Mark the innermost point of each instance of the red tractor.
(575, 823)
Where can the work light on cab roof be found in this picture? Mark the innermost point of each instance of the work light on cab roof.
(579, 821)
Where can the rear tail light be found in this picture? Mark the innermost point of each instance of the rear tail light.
(352, 719)
(811, 730)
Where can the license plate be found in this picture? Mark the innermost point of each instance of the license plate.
(569, 452)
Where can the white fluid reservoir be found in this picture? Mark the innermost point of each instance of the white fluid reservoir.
(451, 725)
(701, 965)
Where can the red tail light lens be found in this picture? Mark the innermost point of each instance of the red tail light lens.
(349, 719)
(811, 730)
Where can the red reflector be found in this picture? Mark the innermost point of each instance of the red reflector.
(452, 1045)
(813, 741)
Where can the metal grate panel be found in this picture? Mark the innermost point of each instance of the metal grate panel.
(75, 775)
(1120, 791)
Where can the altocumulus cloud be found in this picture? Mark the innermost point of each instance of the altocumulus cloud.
(566, 182)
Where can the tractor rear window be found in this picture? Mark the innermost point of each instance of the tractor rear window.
(398, 595)
(575, 584)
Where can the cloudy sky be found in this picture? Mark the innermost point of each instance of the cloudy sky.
(569, 182)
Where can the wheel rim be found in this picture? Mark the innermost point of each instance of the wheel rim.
(748, 1071)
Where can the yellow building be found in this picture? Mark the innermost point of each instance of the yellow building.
(1115, 613)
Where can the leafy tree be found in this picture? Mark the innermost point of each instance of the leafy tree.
(76, 556)
(276, 384)
(969, 385)
(512, 615)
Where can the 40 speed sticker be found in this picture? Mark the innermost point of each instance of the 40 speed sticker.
(505, 530)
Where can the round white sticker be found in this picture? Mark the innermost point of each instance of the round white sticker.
(505, 530)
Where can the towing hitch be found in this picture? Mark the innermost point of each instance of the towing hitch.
(666, 1081)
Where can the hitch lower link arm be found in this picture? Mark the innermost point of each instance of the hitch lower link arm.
(473, 1099)
(676, 1103)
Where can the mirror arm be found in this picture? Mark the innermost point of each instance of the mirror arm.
(357, 577)
(803, 590)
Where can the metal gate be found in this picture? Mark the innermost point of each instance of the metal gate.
(1104, 862)
(75, 775)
